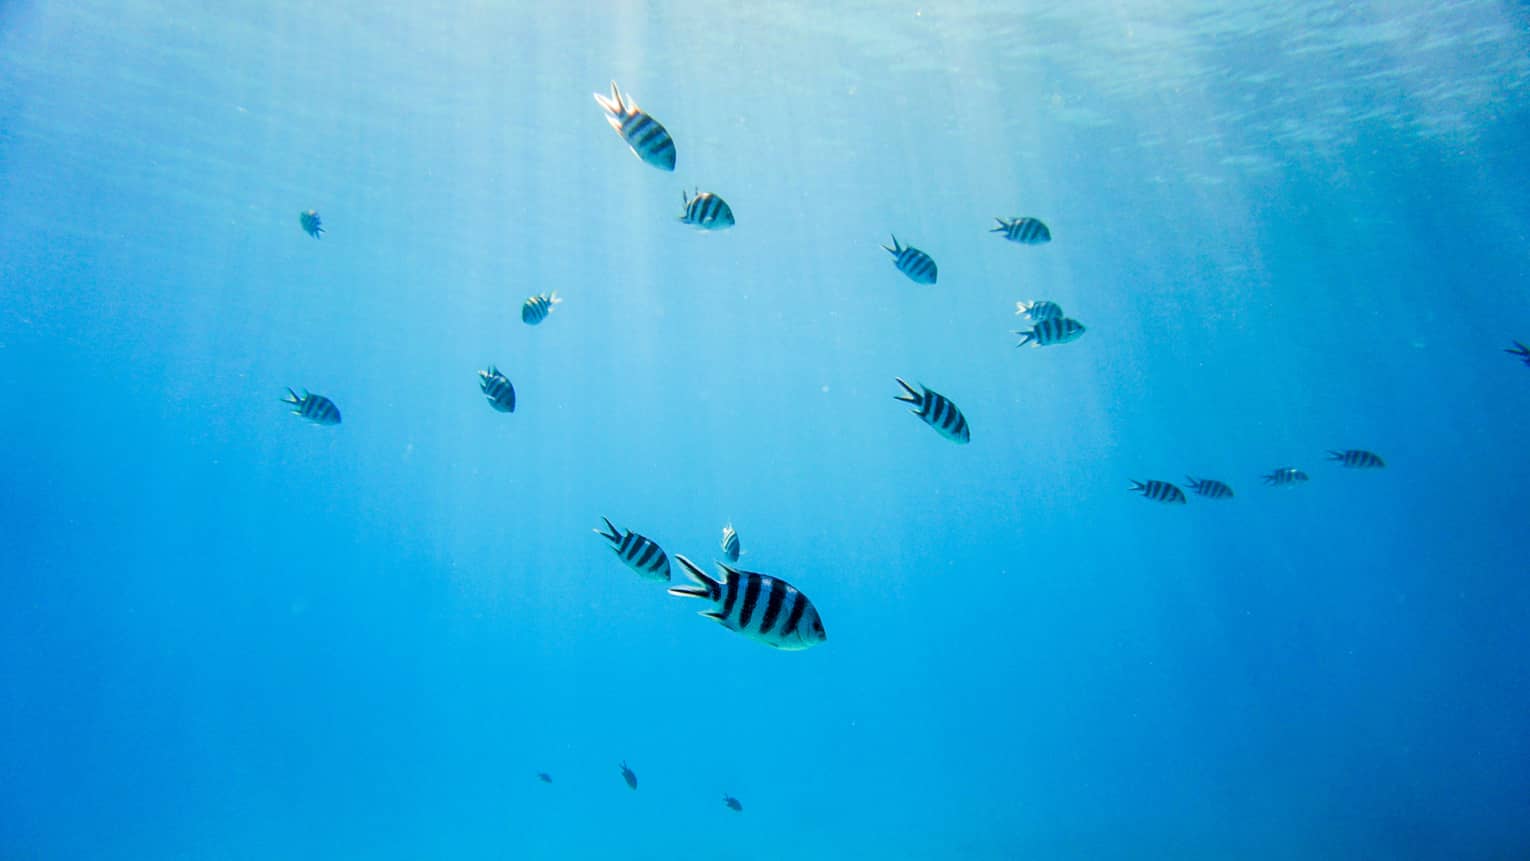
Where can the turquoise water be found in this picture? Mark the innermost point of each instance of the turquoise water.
(1295, 227)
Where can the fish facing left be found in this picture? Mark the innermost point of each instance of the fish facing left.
(640, 554)
(707, 211)
(649, 140)
(763, 608)
(536, 308)
(496, 387)
(316, 408)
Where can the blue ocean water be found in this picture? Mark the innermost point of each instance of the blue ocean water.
(1289, 228)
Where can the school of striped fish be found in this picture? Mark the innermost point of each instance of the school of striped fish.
(766, 608)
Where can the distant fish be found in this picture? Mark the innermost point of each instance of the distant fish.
(1288, 476)
(763, 608)
(707, 211)
(648, 139)
(641, 555)
(627, 774)
(1521, 351)
(536, 308)
(733, 803)
(311, 224)
(496, 387)
(1026, 231)
(937, 411)
(316, 408)
(544, 777)
(1058, 330)
(1210, 488)
(1358, 459)
(730, 545)
(917, 265)
(1039, 312)
(1160, 491)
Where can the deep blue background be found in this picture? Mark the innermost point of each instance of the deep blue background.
(225, 633)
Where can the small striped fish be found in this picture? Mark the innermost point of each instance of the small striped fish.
(1521, 351)
(648, 139)
(1160, 491)
(640, 554)
(311, 223)
(536, 308)
(730, 545)
(316, 408)
(912, 262)
(1026, 231)
(1358, 459)
(1039, 312)
(937, 411)
(733, 803)
(707, 211)
(1288, 476)
(628, 774)
(763, 608)
(1209, 488)
(1058, 330)
(496, 387)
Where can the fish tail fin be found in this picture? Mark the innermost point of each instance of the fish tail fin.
(896, 249)
(1137, 486)
(705, 586)
(292, 397)
(553, 299)
(1025, 337)
(614, 536)
(1335, 455)
(1022, 308)
(1190, 480)
(1003, 226)
(613, 105)
(910, 396)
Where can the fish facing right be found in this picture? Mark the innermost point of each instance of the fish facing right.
(316, 408)
(763, 608)
(641, 554)
(497, 389)
(649, 140)
(629, 776)
(733, 803)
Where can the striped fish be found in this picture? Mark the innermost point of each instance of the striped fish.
(707, 211)
(937, 411)
(1039, 312)
(763, 608)
(496, 387)
(1058, 330)
(628, 774)
(312, 226)
(536, 308)
(1209, 488)
(316, 408)
(1358, 459)
(732, 803)
(1288, 476)
(648, 139)
(1160, 491)
(1521, 351)
(640, 554)
(730, 545)
(1026, 231)
(912, 262)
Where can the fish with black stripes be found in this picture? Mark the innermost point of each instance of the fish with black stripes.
(1026, 231)
(1286, 476)
(730, 544)
(649, 140)
(1039, 311)
(1209, 488)
(918, 266)
(1519, 350)
(706, 211)
(763, 608)
(732, 803)
(1058, 330)
(496, 387)
(311, 223)
(1160, 491)
(536, 308)
(937, 411)
(629, 775)
(640, 554)
(1356, 458)
(316, 408)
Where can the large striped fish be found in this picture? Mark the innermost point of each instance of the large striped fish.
(536, 308)
(641, 555)
(1288, 476)
(937, 411)
(1039, 311)
(496, 387)
(1358, 459)
(1160, 491)
(707, 211)
(730, 545)
(1210, 488)
(648, 139)
(763, 608)
(1058, 330)
(917, 265)
(1026, 231)
(316, 408)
